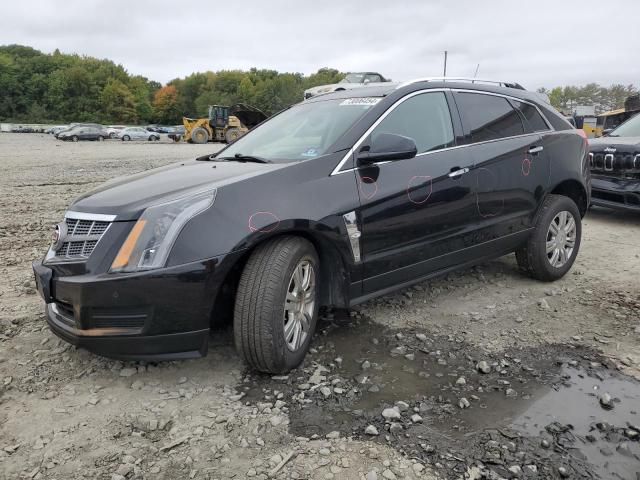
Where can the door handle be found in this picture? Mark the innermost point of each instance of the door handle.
(458, 172)
(534, 150)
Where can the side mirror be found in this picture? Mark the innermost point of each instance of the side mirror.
(366, 80)
(388, 146)
(606, 132)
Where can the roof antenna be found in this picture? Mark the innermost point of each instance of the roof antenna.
(445, 64)
(476, 74)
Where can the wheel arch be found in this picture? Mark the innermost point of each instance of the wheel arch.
(334, 278)
(575, 191)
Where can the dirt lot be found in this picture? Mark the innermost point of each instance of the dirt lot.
(551, 352)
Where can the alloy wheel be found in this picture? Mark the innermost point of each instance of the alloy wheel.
(299, 305)
(561, 239)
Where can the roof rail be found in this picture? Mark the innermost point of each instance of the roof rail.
(462, 79)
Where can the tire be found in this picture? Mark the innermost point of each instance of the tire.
(199, 135)
(112, 135)
(151, 138)
(261, 323)
(156, 138)
(100, 139)
(534, 258)
(126, 138)
(75, 138)
(232, 134)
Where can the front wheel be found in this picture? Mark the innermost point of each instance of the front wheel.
(555, 241)
(126, 138)
(276, 306)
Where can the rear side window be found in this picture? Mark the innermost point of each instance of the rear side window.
(488, 117)
(425, 118)
(533, 118)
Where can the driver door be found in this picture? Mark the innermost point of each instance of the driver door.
(415, 213)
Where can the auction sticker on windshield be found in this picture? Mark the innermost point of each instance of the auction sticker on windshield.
(368, 101)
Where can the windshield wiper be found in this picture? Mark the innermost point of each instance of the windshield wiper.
(238, 157)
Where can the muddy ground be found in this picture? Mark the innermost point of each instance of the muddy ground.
(558, 399)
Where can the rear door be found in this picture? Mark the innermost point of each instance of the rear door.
(414, 212)
(511, 168)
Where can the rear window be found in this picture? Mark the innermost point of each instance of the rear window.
(488, 117)
(557, 121)
(532, 117)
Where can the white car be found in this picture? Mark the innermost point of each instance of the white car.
(113, 130)
(137, 133)
(352, 80)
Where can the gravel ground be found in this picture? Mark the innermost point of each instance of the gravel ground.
(65, 413)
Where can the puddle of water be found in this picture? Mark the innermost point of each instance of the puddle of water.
(609, 451)
(423, 373)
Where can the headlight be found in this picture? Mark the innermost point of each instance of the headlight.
(151, 238)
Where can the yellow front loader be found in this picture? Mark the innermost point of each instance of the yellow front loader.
(225, 124)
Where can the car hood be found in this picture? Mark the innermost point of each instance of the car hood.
(126, 197)
(598, 144)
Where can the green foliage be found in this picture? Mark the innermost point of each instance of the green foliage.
(604, 99)
(36, 87)
(57, 87)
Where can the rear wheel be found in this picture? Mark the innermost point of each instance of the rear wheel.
(100, 139)
(232, 134)
(199, 135)
(75, 138)
(554, 244)
(152, 138)
(126, 138)
(276, 307)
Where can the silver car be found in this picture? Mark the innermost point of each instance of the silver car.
(137, 133)
(351, 80)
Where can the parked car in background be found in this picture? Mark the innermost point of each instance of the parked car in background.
(74, 125)
(159, 128)
(615, 167)
(351, 80)
(83, 133)
(137, 133)
(113, 130)
(331, 202)
(57, 129)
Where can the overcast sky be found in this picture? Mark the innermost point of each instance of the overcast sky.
(537, 43)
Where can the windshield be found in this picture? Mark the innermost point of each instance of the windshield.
(630, 128)
(304, 131)
(353, 78)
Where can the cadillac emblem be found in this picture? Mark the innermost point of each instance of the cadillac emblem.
(58, 236)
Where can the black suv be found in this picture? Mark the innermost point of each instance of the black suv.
(615, 166)
(333, 201)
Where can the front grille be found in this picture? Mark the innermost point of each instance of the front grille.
(83, 234)
(619, 164)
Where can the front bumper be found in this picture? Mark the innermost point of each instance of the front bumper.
(162, 314)
(614, 192)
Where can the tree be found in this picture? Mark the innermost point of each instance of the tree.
(118, 103)
(165, 105)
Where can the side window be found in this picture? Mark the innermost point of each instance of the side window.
(425, 118)
(534, 120)
(373, 78)
(488, 117)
